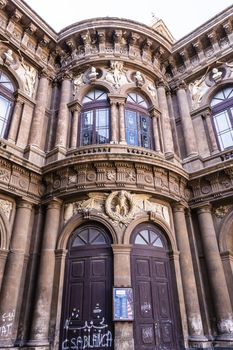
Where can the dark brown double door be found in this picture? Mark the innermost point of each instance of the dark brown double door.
(154, 326)
(87, 301)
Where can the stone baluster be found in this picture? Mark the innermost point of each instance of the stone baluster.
(186, 120)
(187, 274)
(63, 114)
(44, 290)
(75, 125)
(213, 143)
(13, 280)
(37, 126)
(155, 124)
(122, 273)
(219, 290)
(15, 120)
(165, 120)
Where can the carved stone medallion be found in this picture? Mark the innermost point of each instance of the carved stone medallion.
(120, 207)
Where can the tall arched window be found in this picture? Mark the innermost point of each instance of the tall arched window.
(222, 109)
(6, 102)
(137, 121)
(94, 127)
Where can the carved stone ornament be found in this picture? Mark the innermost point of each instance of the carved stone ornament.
(6, 207)
(116, 74)
(226, 326)
(222, 211)
(120, 206)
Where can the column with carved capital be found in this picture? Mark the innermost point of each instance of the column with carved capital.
(155, 123)
(122, 122)
(213, 143)
(37, 126)
(114, 120)
(15, 120)
(75, 127)
(13, 280)
(63, 114)
(123, 330)
(219, 290)
(41, 316)
(188, 278)
(186, 120)
(165, 120)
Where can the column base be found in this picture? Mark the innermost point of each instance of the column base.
(225, 337)
(35, 155)
(42, 343)
(57, 153)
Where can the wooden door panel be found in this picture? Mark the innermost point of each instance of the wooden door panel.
(143, 267)
(159, 269)
(146, 336)
(144, 299)
(163, 301)
(167, 336)
(78, 269)
(76, 302)
(98, 268)
(98, 302)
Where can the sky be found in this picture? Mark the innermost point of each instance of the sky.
(180, 16)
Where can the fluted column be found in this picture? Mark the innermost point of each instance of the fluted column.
(15, 120)
(37, 126)
(75, 126)
(212, 138)
(155, 121)
(187, 275)
(13, 283)
(114, 119)
(63, 114)
(165, 120)
(122, 121)
(219, 290)
(41, 316)
(186, 120)
(122, 273)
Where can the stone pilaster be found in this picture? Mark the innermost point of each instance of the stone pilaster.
(42, 310)
(3, 257)
(186, 120)
(123, 330)
(37, 126)
(13, 283)
(212, 138)
(165, 120)
(216, 275)
(63, 114)
(114, 120)
(155, 124)
(75, 126)
(195, 326)
(122, 121)
(15, 120)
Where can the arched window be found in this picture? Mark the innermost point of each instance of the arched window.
(6, 102)
(137, 121)
(94, 118)
(222, 109)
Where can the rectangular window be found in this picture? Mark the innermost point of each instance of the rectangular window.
(145, 123)
(5, 107)
(86, 128)
(131, 128)
(102, 126)
(224, 129)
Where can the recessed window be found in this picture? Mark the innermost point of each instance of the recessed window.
(87, 235)
(137, 121)
(222, 108)
(94, 119)
(6, 102)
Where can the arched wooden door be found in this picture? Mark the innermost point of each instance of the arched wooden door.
(86, 321)
(154, 325)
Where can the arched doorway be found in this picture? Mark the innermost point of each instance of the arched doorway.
(154, 325)
(86, 321)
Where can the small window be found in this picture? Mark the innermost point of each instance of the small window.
(94, 119)
(87, 236)
(149, 237)
(222, 110)
(6, 103)
(137, 121)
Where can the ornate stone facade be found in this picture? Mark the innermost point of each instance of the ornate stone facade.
(119, 143)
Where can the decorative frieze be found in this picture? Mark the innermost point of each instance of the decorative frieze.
(120, 207)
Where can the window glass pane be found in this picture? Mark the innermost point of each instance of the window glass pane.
(5, 106)
(153, 237)
(158, 243)
(132, 97)
(78, 242)
(6, 82)
(100, 239)
(145, 235)
(84, 236)
(86, 128)
(94, 95)
(222, 121)
(100, 95)
(226, 139)
(102, 126)
(131, 128)
(227, 92)
(145, 123)
(140, 240)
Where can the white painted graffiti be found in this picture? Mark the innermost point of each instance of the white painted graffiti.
(89, 335)
(6, 323)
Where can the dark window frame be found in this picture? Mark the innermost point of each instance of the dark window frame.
(9, 96)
